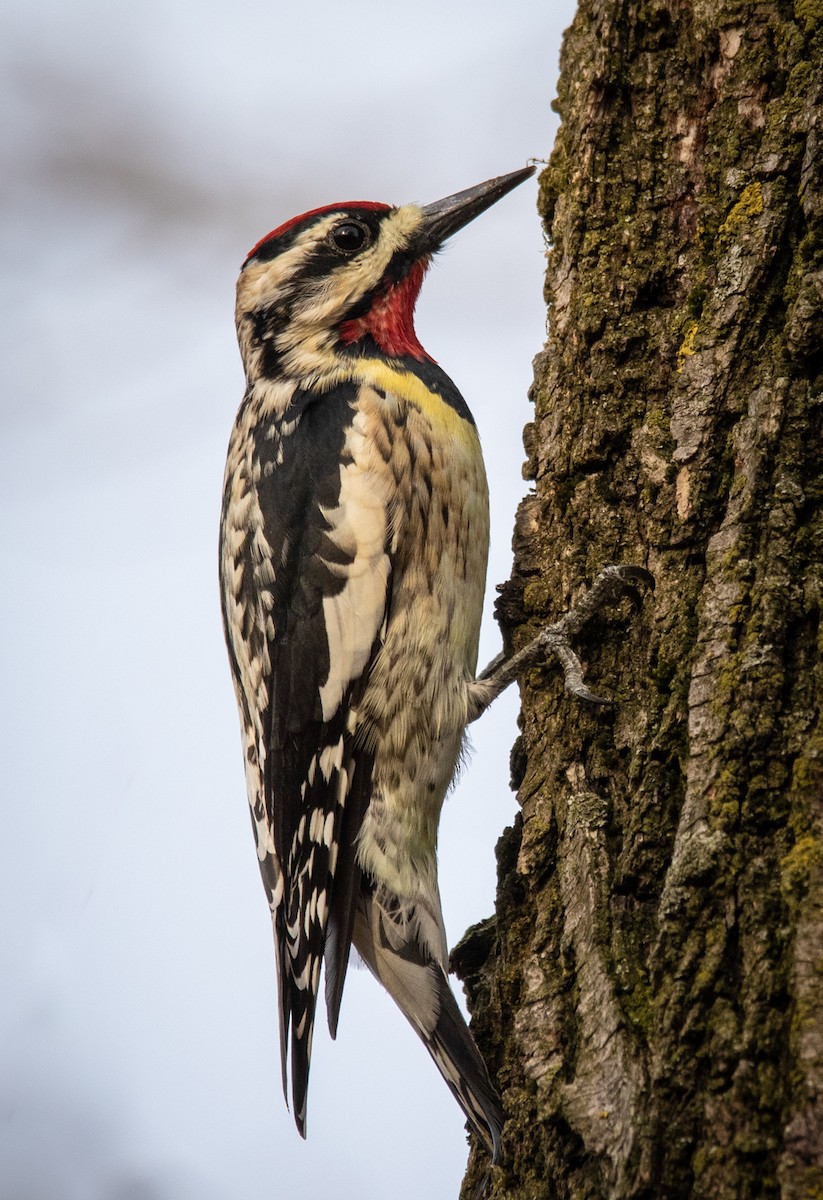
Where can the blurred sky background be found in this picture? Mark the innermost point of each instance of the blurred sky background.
(145, 148)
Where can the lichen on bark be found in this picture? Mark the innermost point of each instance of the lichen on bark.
(650, 992)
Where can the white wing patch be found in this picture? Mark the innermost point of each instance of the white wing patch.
(359, 528)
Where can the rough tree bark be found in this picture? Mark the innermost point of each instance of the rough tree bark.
(650, 992)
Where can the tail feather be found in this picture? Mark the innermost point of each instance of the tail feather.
(319, 875)
(284, 1010)
(453, 1049)
(346, 888)
(302, 1031)
(298, 1001)
(386, 937)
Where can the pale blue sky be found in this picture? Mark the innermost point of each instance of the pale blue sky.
(145, 149)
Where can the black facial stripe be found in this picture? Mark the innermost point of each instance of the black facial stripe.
(275, 246)
(395, 273)
(273, 319)
(399, 267)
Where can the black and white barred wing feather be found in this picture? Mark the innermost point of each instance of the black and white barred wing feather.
(306, 572)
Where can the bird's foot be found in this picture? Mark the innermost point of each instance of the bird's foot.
(556, 639)
(612, 583)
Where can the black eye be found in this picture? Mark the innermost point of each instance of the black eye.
(350, 236)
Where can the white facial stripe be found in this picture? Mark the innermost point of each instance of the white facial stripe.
(334, 294)
(260, 282)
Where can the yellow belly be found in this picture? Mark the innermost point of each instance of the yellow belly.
(414, 709)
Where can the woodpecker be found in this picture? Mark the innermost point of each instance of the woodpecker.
(354, 539)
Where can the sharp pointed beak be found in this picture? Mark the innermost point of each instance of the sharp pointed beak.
(445, 217)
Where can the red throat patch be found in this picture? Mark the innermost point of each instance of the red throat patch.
(390, 320)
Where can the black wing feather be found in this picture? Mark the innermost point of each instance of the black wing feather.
(346, 886)
(299, 477)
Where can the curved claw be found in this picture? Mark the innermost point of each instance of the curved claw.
(610, 583)
(630, 576)
(584, 693)
(633, 574)
(634, 596)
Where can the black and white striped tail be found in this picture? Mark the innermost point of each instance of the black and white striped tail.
(301, 921)
(315, 917)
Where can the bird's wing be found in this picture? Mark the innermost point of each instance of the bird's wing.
(317, 573)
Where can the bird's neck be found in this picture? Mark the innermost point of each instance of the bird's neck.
(389, 323)
(316, 356)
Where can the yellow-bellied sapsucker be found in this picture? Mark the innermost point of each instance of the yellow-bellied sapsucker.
(354, 538)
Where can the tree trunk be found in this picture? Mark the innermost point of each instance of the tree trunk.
(650, 992)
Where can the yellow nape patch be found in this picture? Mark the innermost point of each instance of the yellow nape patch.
(410, 387)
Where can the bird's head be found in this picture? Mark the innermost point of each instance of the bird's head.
(343, 280)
